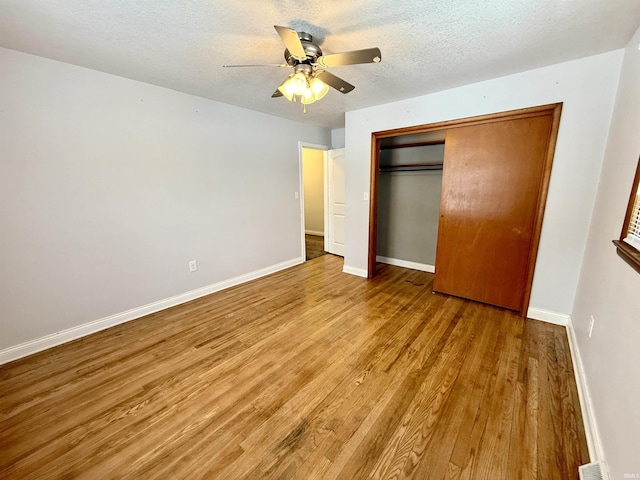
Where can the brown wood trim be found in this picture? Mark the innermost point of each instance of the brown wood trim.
(554, 109)
(373, 205)
(468, 121)
(634, 192)
(542, 202)
(409, 145)
(628, 254)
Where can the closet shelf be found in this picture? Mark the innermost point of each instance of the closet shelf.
(411, 167)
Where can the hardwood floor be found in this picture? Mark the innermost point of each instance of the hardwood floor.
(314, 245)
(308, 374)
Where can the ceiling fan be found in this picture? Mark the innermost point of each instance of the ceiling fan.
(310, 81)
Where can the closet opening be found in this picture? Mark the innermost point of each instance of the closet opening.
(409, 186)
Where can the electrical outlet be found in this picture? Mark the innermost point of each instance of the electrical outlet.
(365, 197)
(296, 195)
(593, 321)
(193, 266)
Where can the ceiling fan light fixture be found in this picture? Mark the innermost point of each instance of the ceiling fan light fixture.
(303, 87)
(296, 85)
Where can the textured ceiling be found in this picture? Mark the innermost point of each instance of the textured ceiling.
(426, 45)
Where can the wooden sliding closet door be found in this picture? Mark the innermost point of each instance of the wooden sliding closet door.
(491, 185)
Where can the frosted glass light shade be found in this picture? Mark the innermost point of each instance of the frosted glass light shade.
(288, 88)
(319, 88)
(299, 83)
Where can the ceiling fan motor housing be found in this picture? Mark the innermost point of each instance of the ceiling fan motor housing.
(304, 68)
(312, 50)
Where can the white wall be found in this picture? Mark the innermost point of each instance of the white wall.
(408, 214)
(609, 287)
(337, 138)
(409, 205)
(587, 88)
(108, 187)
(313, 182)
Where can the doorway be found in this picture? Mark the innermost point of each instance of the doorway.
(326, 236)
(313, 188)
(313, 199)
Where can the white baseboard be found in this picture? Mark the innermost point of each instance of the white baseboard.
(360, 272)
(314, 233)
(548, 316)
(48, 341)
(594, 442)
(406, 264)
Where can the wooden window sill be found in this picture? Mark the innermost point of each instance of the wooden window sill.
(628, 254)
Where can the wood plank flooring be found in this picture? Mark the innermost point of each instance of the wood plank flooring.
(314, 246)
(308, 374)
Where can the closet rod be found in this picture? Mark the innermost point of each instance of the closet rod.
(411, 167)
(414, 144)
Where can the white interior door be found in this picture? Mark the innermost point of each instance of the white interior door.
(334, 237)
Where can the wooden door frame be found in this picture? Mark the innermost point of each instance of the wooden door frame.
(553, 109)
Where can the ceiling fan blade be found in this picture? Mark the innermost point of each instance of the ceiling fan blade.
(335, 82)
(258, 65)
(368, 55)
(292, 42)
